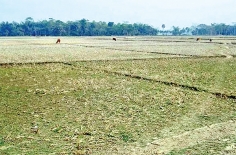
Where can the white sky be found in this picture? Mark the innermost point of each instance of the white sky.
(182, 13)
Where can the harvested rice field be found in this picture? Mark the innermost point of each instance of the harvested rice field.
(137, 95)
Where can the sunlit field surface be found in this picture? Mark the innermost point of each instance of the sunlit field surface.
(136, 95)
(44, 49)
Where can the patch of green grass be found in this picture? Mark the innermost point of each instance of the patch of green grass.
(1, 141)
(126, 137)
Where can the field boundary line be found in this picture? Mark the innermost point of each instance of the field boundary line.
(128, 59)
(193, 88)
(174, 54)
(102, 47)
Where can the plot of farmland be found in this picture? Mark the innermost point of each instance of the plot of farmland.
(212, 75)
(140, 95)
(21, 50)
(44, 49)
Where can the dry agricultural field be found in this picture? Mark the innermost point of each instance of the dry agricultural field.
(137, 95)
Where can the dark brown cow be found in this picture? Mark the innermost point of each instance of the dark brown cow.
(210, 40)
(114, 39)
(198, 39)
(58, 40)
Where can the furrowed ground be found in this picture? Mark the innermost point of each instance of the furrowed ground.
(138, 95)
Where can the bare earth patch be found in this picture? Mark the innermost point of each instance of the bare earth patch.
(191, 138)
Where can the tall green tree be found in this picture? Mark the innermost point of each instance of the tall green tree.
(176, 31)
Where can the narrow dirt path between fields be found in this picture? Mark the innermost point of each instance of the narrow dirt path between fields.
(187, 139)
(191, 138)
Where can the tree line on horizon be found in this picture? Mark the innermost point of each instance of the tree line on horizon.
(84, 27)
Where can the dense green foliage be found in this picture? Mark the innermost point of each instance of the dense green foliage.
(215, 29)
(84, 27)
(203, 29)
(81, 27)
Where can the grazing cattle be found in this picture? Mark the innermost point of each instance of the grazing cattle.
(58, 41)
(114, 39)
(210, 40)
(198, 39)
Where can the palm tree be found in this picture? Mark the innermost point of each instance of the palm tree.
(163, 27)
